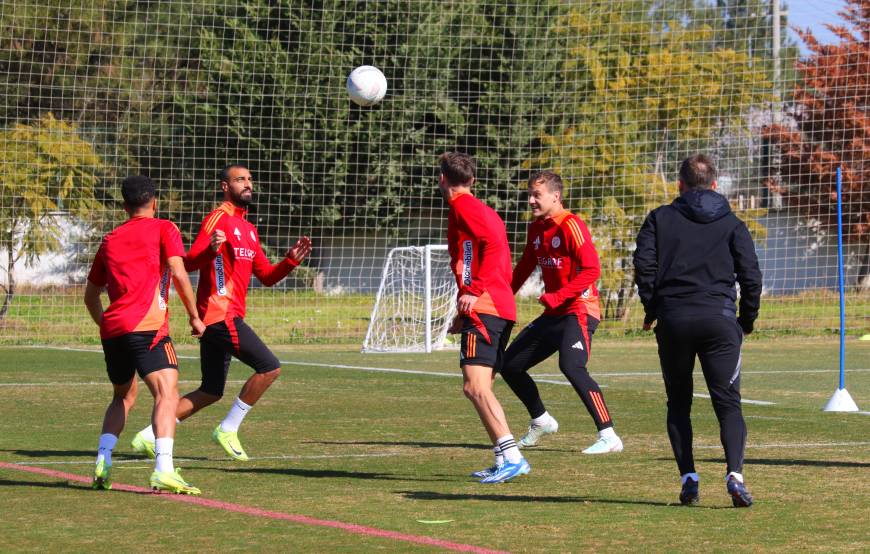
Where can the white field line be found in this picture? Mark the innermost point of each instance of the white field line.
(97, 383)
(189, 461)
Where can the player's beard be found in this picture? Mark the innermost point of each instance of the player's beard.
(242, 200)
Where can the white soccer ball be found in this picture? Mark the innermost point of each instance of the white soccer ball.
(366, 85)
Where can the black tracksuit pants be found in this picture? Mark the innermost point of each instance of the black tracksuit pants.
(717, 341)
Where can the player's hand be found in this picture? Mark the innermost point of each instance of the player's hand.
(455, 326)
(216, 240)
(197, 327)
(466, 303)
(647, 326)
(300, 250)
(549, 300)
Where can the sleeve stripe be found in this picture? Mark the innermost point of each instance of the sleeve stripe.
(575, 230)
(212, 220)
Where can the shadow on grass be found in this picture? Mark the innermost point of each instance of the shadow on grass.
(418, 444)
(86, 453)
(324, 473)
(430, 495)
(794, 462)
(55, 485)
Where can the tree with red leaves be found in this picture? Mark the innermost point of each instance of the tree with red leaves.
(831, 115)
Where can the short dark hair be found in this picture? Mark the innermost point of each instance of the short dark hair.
(224, 175)
(698, 172)
(549, 178)
(458, 168)
(137, 191)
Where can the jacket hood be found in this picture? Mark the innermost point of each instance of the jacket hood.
(702, 205)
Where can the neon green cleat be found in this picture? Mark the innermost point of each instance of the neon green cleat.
(102, 476)
(230, 443)
(172, 482)
(142, 445)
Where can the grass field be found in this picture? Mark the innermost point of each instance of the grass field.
(336, 440)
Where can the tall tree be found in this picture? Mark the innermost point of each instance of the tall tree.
(46, 172)
(831, 115)
(642, 95)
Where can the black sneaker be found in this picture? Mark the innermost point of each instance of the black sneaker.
(689, 494)
(740, 497)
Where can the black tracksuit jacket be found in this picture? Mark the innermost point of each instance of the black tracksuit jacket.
(689, 255)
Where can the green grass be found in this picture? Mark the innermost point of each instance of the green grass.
(56, 315)
(388, 449)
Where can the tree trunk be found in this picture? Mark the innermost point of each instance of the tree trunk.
(9, 288)
(863, 282)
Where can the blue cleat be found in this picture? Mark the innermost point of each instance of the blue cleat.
(486, 472)
(740, 497)
(507, 472)
(689, 494)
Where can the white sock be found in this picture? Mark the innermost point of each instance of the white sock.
(509, 449)
(148, 432)
(499, 457)
(104, 450)
(163, 454)
(686, 476)
(738, 476)
(542, 420)
(234, 418)
(608, 433)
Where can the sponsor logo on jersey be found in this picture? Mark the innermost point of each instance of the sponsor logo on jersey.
(219, 278)
(467, 256)
(238, 234)
(537, 242)
(556, 242)
(243, 253)
(547, 262)
(578, 345)
(164, 291)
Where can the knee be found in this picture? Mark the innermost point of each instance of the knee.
(208, 398)
(474, 392)
(274, 374)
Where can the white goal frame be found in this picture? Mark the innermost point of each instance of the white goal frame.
(382, 325)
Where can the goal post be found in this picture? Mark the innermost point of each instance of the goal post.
(415, 303)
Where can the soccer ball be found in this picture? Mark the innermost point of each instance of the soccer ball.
(366, 85)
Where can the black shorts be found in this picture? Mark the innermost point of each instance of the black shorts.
(569, 335)
(127, 354)
(475, 350)
(225, 339)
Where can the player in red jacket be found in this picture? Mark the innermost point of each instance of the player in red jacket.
(481, 261)
(560, 244)
(227, 253)
(134, 264)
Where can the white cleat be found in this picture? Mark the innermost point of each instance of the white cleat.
(605, 445)
(536, 432)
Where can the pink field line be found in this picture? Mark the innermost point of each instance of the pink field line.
(257, 512)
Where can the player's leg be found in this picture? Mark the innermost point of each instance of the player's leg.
(720, 354)
(676, 339)
(480, 359)
(575, 341)
(215, 349)
(158, 367)
(122, 374)
(253, 352)
(528, 349)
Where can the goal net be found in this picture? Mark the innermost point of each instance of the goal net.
(416, 301)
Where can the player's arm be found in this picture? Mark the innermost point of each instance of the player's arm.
(269, 274)
(583, 252)
(524, 267)
(93, 302)
(487, 252)
(185, 292)
(207, 243)
(748, 275)
(646, 266)
(97, 279)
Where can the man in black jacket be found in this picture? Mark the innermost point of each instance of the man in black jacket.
(689, 254)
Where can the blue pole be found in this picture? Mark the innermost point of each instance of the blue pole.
(840, 278)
